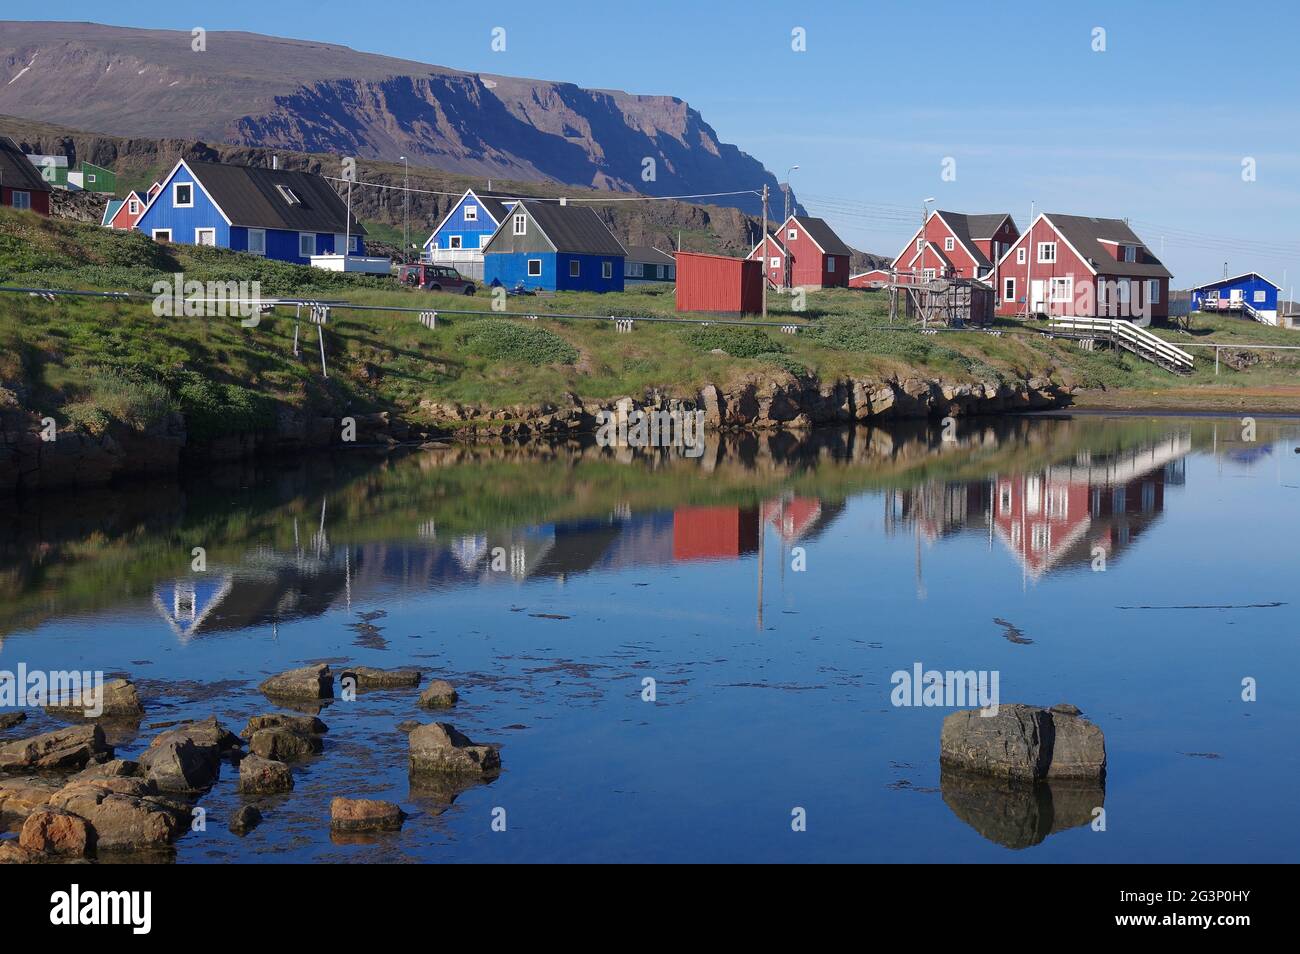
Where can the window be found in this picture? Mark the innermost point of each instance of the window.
(1153, 292)
(830, 263)
(90, 177)
(1040, 537)
(1008, 289)
(606, 269)
(356, 243)
(1122, 291)
(671, 270)
(521, 224)
(306, 244)
(183, 195)
(471, 213)
(1128, 253)
(1063, 289)
(534, 267)
(1102, 287)
(1046, 253)
(288, 195)
(21, 200)
(205, 236)
(1260, 297)
(634, 270)
(1020, 256)
(792, 234)
(162, 235)
(453, 241)
(927, 274)
(483, 240)
(575, 268)
(949, 244)
(257, 241)
(920, 243)
(775, 262)
(133, 206)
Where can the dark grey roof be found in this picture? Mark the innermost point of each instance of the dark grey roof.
(648, 255)
(983, 226)
(494, 205)
(1088, 235)
(250, 198)
(574, 228)
(823, 235)
(17, 171)
(967, 228)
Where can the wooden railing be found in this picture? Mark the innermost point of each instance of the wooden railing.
(1130, 337)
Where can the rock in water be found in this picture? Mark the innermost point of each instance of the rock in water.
(124, 813)
(281, 745)
(187, 759)
(245, 820)
(19, 797)
(73, 747)
(10, 719)
(308, 682)
(260, 776)
(1024, 743)
(120, 701)
(438, 694)
(1015, 814)
(365, 814)
(54, 831)
(439, 748)
(367, 677)
(303, 725)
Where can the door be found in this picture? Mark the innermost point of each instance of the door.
(1036, 295)
(205, 236)
(1234, 298)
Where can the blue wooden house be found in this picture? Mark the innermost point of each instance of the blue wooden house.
(466, 229)
(276, 213)
(545, 246)
(1251, 294)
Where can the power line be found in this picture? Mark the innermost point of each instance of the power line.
(566, 199)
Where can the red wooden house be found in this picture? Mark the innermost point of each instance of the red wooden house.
(718, 283)
(876, 278)
(122, 214)
(818, 258)
(1080, 266)
(956, 245)
(21, 184)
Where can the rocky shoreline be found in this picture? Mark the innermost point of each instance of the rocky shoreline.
(754, 402)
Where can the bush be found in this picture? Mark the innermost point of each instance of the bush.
(784, 361)
(500, 340)
(212, 409)
(737, 342)
(139, 402)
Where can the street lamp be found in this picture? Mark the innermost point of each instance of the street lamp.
(406, 206)
(786, 188)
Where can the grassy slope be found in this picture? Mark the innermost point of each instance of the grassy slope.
(86, 355)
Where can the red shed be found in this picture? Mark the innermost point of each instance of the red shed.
(21, 185)
(714, 533)
(718, 283)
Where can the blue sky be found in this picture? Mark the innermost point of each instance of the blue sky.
(1153, 129)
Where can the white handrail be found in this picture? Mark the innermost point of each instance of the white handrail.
(1139, 337)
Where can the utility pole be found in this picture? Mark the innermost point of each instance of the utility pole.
(763, 239)
(406, 207)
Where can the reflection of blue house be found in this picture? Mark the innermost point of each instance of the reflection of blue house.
(545, 246)
(464, 231)
(273, 213)
(1251, 294)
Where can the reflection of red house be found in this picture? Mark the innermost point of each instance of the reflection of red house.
(714, 533)
(793, 517)
(1040, 519)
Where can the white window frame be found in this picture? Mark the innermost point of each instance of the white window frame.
(484, 239)
(288, 195)
(520, 224)
(157, 232)
(927, 274)
(1123, 292)
(1260, 296)
(1065, 282)
(1153, 291)
(302, 240)
(471, 213)
(775, 262)
(454, 241)
(634, 270)
(575, 268)
(133, 206)
(90, 177)
(176, 197)
(949, 244)
(1021, 254)
(202, 231)
(25, 203)
(1008, 283)
(920, 244)
(792, 235)
(534, 272)
(1043, 248)
(1129, 253)
(606, 270)
(257, 251)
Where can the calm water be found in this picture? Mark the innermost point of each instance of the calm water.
(769, 588)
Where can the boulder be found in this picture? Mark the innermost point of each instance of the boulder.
(438, 694)
(115, 768)
(365, 814)
(260, 776)
(1017, 814)
(367, 677)
(119, 701)
(54, 831)
(308, 682)
(303, 725)
(73, 747)
(10, 719)
(1024, 743)
(123, 813)
(439, 748)
(19, 797)
(282, 745)
(12, 853)
(244, 820)
(177, 763)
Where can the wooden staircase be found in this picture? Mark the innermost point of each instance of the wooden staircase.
(1126, 335)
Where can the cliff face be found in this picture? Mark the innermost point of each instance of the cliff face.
(262, 91)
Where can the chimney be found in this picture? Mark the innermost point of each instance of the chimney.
(275, 162)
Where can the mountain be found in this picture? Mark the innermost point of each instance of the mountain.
(258, 91)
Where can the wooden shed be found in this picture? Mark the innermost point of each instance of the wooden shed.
(718, 283)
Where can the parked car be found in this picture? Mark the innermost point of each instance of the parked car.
(435, 278)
